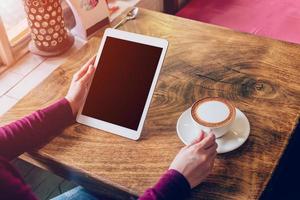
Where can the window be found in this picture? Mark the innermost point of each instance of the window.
(5, 48)
(14, 31)
(14, 17)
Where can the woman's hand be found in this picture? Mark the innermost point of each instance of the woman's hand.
(195, 161)
(79, 85)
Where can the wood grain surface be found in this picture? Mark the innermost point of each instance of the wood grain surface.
(259, 75)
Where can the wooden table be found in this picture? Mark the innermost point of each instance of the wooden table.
(259, 75)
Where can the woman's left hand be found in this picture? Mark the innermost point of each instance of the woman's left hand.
(79, 85)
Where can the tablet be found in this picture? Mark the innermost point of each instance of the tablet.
(127, 69)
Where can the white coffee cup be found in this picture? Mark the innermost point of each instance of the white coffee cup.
(213, 114)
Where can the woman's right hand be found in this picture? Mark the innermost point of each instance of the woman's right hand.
(195, 161)
(79, 85)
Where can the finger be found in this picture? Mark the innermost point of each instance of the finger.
(206, 142)
(211, 141)
(211, 153)
(85, 68)
(201, 136)
(214, 145)
(87, 76)
(211, 161)
(212, 148)
(91, 61)
(81, 72)
(198, 139)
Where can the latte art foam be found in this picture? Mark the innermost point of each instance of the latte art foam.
(213, 112)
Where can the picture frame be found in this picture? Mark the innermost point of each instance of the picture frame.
(90, 16)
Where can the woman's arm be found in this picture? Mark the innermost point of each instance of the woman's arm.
(34, 130)
(172, 185)
(190, 167)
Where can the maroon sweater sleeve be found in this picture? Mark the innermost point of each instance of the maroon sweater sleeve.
(27, 134)
(34, 130)
(171, 186)
(30, 132)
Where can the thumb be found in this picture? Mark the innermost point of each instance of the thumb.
(200, 137)
(87, 76)
(78, 75)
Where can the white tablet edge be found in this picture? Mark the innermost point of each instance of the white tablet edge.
(113, 128)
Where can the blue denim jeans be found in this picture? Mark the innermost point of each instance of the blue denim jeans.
(78, 193)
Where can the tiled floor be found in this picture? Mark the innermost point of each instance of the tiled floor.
(44, 184)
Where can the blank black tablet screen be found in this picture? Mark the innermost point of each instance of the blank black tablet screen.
(122, 81)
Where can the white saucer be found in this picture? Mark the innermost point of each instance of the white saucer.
(230, 141)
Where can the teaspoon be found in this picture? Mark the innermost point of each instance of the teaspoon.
(129, 16)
